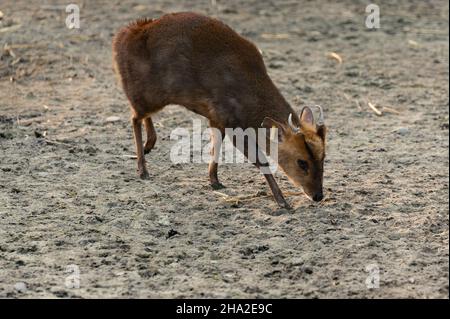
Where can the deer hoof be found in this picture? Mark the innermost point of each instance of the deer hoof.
(144, 175)
(217, 186)
(284, 205)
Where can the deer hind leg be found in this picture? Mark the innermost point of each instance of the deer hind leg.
(217, 137)
(151, 135)
(137, 130)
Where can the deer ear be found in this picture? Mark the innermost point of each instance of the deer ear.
(306, 116)
(322, 131)
(271, 123)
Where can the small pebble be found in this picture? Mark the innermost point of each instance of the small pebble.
(172, 233)
(401, 131)
(112, 119)
(20, 287)
(297, 261)
(308, 270)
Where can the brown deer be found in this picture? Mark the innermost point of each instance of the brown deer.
(202, 64)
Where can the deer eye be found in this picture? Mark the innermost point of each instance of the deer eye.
(303, 165)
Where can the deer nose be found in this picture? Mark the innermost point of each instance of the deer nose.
(318, 197)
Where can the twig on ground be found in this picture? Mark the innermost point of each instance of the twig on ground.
(10, 29)
(129, 156)
(374, 109)
(49, 141)
(275, 36)
(335, 56)
(348, 98)
(390, 110)
(246, 198)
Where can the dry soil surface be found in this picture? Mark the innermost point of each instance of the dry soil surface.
(69, 194)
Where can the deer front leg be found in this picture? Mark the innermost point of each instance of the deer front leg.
(276, 191)
(217, 137)
(257, 157)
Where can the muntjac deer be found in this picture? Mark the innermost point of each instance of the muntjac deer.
(202, 64)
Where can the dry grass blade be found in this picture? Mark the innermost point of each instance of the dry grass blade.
(241, 198)
(9, 51)
(247, 198)
(349, 99)
(129, 156)
(53, 142)
(346, 96)
(374, 109)
(386, 109)
(223, 195)
(10, 29)
(275, 36)
(335, 56)
(25, 46)
(16, 61)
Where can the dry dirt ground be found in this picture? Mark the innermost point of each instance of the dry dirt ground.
(69, 194)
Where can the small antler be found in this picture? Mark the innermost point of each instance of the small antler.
(320, 121)
(292, 126)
